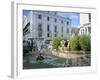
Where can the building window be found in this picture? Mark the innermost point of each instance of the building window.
(48, 18)
(39, 16)
(67, 30)
(62, 21)
(67, 23)
(55, 29)
(48, 35)
(55, 20)
(55, 13)
(40, 27)
(39, 30)
(47, 41)
(89, 17)
(48, 28)
(62, 29)
(55, 35)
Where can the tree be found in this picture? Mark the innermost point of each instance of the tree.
(56, 42)
(85, 42)
(74, 42)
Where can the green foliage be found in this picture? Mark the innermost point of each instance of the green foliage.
(74, 43)
(81, 42)
(85, 42)
(56, 42)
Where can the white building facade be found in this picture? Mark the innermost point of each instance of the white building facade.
(85, 24)
(42, 26)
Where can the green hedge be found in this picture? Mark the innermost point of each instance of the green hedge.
(56, 42)
(74, 43)
(82, 42)
(85, 42)
(77, 42)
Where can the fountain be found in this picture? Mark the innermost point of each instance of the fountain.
(62, 47)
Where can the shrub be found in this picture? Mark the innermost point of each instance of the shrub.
(85, 42)
(74, 43)
(56, 42)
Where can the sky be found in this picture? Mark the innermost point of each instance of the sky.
(75, 17)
